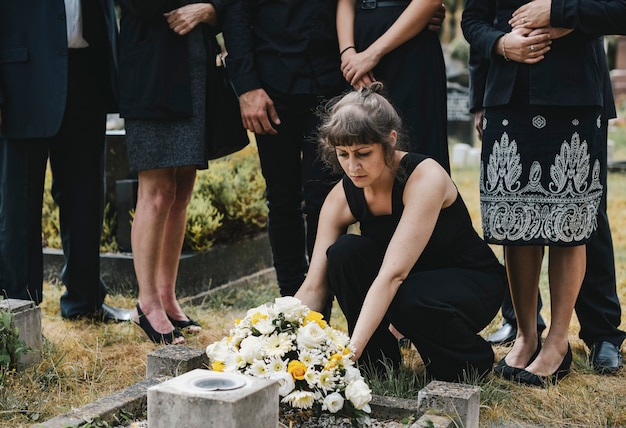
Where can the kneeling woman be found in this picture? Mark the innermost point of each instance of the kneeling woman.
(418, 263)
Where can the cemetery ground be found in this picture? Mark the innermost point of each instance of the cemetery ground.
(84, 361)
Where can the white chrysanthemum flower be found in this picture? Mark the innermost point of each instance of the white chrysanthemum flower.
(258, 369)
(286, 384)
(333, 402)
(275, 365)
(309, 357)
(265, 326)
(358, 393)
(326, 380)
(310, 336)
(311, 376)
(277, 345)
(338, 338)
(300, 399)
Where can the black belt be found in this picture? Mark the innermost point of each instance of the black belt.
(373, 4)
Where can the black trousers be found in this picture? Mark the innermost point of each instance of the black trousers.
(441, 311)
(296, 186)
(597, 307)
(76, 156)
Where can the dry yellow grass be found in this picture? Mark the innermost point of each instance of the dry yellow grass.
(84, 361)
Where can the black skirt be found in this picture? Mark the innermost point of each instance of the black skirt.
(540, 174)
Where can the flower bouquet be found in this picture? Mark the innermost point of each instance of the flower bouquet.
(310, 360)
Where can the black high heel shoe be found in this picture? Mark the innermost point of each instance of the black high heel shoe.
(190, 324)
(509, 372)
(155, 336)
(527, 378)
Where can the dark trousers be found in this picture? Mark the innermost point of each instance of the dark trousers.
(441, 311)
(296, 186)
(76, 156)
(597, 307)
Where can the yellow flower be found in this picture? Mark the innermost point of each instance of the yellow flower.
(316, 317)
(258, 316)
(296, 369)
(217, 366)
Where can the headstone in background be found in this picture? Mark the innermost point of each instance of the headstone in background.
(460, 120)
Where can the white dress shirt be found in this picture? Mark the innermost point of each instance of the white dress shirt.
(74, 17)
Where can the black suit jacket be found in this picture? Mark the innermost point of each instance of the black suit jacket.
(34, 65)
(595, 17)
(572, 73)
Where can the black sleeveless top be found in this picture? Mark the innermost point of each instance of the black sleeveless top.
(454, 242)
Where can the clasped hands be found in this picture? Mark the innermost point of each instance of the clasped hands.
(532, 35)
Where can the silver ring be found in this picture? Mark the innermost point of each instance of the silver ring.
(532, 48)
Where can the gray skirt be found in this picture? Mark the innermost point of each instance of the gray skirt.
(167, 143)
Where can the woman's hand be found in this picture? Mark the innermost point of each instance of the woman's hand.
(525, 45)
(534, 14)
(186, 18)
(357, 68)
(554, 32)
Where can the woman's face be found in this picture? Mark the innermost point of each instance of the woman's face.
(363, 163)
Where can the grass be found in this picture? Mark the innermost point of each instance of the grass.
(84, 361)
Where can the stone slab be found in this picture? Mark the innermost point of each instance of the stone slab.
(459, 401)
(174, 360)
(131, 401)
(26, 317)
(207, 399)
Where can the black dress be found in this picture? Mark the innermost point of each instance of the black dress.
(414, 77)
(453, 291)
(540, 171)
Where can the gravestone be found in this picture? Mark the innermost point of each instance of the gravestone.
(460, 120)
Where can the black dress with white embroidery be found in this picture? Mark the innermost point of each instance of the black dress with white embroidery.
(540, 171)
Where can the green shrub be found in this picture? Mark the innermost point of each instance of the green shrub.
(227, 204)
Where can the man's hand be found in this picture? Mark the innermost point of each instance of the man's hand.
(534, 14)
(258, 113)
(437, 19)
(522, 47)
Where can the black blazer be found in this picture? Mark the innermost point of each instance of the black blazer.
(154, 61)
(573, 73)
(34, 65)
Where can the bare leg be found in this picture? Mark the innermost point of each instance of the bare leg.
(155, 197)
(523, 266)
(566, 273)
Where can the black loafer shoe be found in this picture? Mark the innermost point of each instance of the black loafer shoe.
(504, 335)
(605, 357)
(115, 314)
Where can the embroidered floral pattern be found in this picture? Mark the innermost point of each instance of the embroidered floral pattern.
(563, 211)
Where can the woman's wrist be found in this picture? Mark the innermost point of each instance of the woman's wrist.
(344, 50)
(503, 46)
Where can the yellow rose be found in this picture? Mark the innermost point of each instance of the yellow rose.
(296, 369)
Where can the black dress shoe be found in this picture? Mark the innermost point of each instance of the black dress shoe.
(528, 378)
(112, 314)
(605, 357)
(504, 335)
(105, 314)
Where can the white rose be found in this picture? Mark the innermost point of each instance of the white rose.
(358, 393)
(292, 308)
(285, 381)
(311, 336)
(251, 348)
(333, 402)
